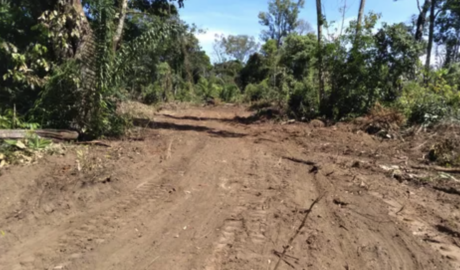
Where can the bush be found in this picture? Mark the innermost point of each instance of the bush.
(230, 93)
(152, 94)
(436, 101)
(208, 89)
(62, 102)
(256, 92)
(303, 102)
(66, 102)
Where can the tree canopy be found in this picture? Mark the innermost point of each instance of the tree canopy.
(281, 19)
(70, 63)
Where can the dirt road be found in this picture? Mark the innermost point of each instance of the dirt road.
(203, 189)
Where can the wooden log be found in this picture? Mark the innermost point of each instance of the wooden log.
(436, 168)
(58, 134)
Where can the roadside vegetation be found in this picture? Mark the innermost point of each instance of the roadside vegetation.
(69, 64)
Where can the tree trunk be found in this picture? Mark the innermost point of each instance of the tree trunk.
(86, 33)
(319, 14)
(76, 5)
(431, 35)
(58, 134)
(344, 9)
(422, 20)
(360, 16)
(121, 24)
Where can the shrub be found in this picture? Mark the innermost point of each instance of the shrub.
(230, 93)
(303, 102)
(62, 102)
(66, 102)
(152, 94)
(256, 92)
(430, 103)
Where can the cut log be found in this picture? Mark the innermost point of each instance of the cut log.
(58, 134)
(436, 168)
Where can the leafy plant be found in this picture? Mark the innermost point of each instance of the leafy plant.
(432, 102)
(8, 120)
(35, 143)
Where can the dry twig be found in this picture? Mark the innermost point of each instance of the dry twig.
(282, 255)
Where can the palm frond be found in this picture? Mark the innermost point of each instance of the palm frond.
(131, 52)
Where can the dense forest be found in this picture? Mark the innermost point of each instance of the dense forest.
(70, 63)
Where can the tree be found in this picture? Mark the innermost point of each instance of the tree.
(360, 16)
(320, 19)
(238, 47)
(343, 10)
(303, 27)
(431, 34)
(67, 67)
(421, 20)
(281, 19)
(255, 71)
(298, 54)
(448, 34)
(121, 23)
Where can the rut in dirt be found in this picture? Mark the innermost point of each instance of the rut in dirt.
(206, 190)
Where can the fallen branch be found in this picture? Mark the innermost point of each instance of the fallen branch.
(419, 146)
(436, 168)
(306, 162)
(99, 143)
(302, 225)
(281, 257)
(58, 134)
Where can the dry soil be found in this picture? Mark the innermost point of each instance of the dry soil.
(207, 188)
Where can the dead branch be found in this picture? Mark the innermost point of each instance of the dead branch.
(419, 146)
(99, 143)
(281, 257)
(302, 225)
(436, 168)
(306, 162)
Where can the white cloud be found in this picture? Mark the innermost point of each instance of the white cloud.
(209, 35)
(334, 29)
(207, 40)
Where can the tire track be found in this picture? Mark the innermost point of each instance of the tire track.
(151, 192)
(381, 243)
(97, 228)
(243, 233)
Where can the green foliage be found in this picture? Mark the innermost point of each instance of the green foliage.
(35, 143)
(46, 78)
(281, 19)
(448, 24)
(8, 120)
(238, 47)
(303, 103)
(298, 54)
(63, 70)
(257, 92)
(368, 68)
(61, 102)
(255, 71)
(432, 103)
(230, 93)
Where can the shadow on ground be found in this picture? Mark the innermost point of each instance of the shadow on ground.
(241, 120)
(183, 127)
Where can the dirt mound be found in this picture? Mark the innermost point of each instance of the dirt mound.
(317, 123)
(199, 189)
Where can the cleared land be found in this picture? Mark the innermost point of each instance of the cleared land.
(207, 188)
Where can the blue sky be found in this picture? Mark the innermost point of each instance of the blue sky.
(240, 16)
